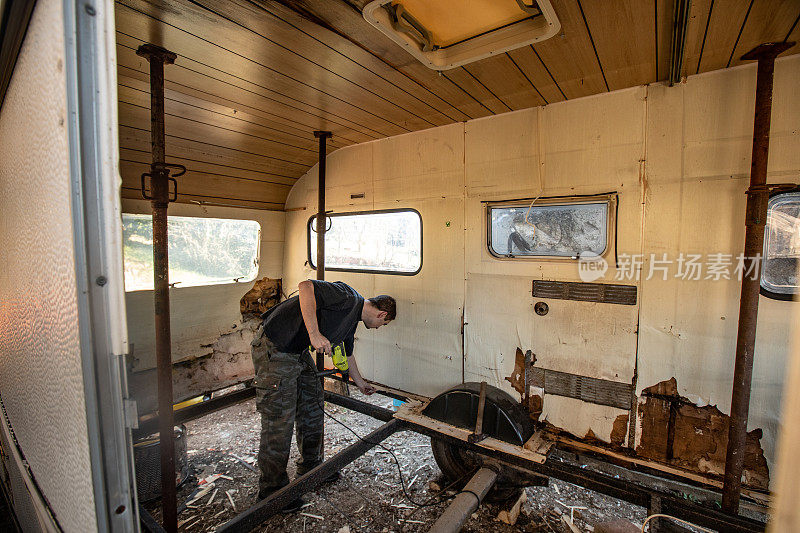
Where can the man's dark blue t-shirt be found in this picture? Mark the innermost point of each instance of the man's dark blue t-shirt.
(339, 309)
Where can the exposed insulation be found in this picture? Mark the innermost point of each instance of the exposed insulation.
(677, 432)
(265, 293)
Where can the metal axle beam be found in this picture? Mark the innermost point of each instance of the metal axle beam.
(465, 502)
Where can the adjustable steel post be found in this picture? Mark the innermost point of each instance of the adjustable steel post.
(755, 222)
(159, 195)
(323, 136)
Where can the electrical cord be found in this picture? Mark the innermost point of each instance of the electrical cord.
(433, 501)
(660, 515)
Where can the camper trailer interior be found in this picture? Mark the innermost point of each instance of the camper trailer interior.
(587, 213)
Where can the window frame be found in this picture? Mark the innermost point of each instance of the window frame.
(179, 284)
(369, 212)
(611, 199)
(795, 296)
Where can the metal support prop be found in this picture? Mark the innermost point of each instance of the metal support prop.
(755, 222)
(268, 507)
(158, 57)
(466, 502)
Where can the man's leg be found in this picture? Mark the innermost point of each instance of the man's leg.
(310, 419)
(276, 400)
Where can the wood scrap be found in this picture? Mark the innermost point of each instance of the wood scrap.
(510, 517)
(569, 524)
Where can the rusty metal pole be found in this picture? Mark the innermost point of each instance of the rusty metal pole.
(755, 222)
(159, 186)
(323, 136)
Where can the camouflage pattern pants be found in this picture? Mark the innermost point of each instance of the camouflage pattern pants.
(288, 394)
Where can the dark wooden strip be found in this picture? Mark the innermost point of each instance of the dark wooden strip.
(221, 64)
(181, 126)
(569, 55)
(199, 183)
(135, 193)
(238, 118)
(591, 39)
(501, 77)
(176, 147)
(143, 156)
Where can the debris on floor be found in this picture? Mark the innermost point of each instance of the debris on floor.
(223, 446)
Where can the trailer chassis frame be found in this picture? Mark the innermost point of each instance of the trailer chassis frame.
(653, 499)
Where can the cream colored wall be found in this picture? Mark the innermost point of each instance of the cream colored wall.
(200, 314)
(41, 369)
(679, 159)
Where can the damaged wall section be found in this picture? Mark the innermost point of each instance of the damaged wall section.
(220, 364)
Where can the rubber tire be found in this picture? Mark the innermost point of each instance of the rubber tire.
(458, 464)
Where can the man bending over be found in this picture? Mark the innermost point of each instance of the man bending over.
(288, 393)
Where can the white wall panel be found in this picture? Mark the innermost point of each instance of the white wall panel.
(41, 379)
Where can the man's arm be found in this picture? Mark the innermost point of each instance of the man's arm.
(308, 307)
(362, 385)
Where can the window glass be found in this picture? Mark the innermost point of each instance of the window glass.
(202, 251)
(564, 230)
(782, 244)
(381, 241)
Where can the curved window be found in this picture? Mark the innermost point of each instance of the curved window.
(781, 247)
(202, 251)
(386, 242)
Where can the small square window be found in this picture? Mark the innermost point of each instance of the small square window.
(549, 230)
(781, 246)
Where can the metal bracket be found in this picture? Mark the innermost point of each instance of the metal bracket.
(163, 167)
(479, 435)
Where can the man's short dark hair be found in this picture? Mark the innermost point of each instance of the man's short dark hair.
(385, 303)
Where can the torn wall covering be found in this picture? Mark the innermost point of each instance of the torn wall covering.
(678, 160)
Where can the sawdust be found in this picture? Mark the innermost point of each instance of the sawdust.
(368, 498)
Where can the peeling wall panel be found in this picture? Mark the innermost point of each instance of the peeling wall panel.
(700, 139)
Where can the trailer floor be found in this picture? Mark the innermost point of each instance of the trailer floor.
(368, 497)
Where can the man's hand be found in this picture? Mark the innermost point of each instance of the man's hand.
(365, 388)
(320, 343)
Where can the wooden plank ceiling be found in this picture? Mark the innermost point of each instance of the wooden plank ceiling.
(254, 79)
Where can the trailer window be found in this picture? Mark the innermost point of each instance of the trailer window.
(202, 251)
(388, 242)
(554, 230)
(781, 246)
